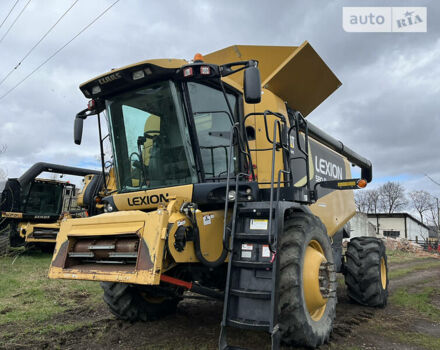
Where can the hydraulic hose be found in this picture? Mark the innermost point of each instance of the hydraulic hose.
(190, 210)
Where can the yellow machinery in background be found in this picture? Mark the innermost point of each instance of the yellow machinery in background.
(32, 208)
(224, 189)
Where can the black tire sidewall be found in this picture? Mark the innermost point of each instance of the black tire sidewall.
(296, 324)
(128, 303)
(360, 257)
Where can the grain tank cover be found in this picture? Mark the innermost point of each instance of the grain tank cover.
(294, 73)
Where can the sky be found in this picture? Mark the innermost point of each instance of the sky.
(386, 110)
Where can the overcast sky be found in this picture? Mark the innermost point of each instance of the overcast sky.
(387, 108)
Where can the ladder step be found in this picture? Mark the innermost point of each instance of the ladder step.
(254, 294)
(248, 324)
(252, 264)
(254, 208)
(242, 236)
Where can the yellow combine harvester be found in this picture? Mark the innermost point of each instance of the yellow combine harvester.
(224, 189)
(31, 208)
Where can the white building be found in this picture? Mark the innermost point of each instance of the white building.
(360, 226)
(399, 225)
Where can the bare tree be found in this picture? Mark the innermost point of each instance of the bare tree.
(367, 201)
(421, 201)
(361, 201)
(392, 197)
(374, 201)
(434, 210)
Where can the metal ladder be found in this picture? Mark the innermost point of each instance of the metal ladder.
(251, 293)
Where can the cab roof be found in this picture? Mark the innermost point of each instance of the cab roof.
(296, 74)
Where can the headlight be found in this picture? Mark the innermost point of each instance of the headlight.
(108, 208)
(231, 195)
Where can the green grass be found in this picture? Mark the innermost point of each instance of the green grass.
(421, 302)
(397, 256)
(28, 296)
(341, 347)
(418, 339)
(402, 272)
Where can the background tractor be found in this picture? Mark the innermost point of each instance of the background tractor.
(31, 208)
(224, 189)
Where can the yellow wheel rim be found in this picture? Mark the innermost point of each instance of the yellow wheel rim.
(313, 260)
(383, 273)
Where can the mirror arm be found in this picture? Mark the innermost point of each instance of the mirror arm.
(83, 114)
(226, 69)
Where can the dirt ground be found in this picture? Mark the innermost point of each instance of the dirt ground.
(410, 321)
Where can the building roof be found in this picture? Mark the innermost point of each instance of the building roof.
(398, 215)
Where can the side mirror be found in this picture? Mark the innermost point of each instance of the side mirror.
(252, 85)
(78, 130)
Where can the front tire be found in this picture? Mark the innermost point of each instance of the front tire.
(366, 271)
(305, 316)
(130, 303)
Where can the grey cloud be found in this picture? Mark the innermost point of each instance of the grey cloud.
(391, 118)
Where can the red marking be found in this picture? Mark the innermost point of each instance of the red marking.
(273, 258)
(175, 281)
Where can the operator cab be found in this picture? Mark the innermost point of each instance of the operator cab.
(171, 126)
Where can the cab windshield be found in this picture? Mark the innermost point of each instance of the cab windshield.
(150, 138)
(44, 198)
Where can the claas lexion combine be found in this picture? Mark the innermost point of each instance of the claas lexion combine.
(224, 189)
(31, 208)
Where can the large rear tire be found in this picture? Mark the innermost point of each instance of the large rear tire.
(130, 303)
(366, 271)
(305, 316)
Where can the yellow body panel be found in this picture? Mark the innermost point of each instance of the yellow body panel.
(151, 198)
(210, 225)
(264, 158)
(335, 208)
(30, 227)
(154, 228)
(269, 58)
(149, 227)
(294, 73)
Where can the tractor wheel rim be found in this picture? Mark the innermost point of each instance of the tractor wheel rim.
(383, 273)
(315, 279)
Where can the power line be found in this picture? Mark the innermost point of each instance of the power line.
(38, 43)
(10, 11)
(15, 20)
(57, 51)
(430, 178)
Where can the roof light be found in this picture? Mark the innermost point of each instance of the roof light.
(188, 72)
(91, 105)
(138, 75)
(198, 57)
(96, 90)
(205, 70)
(361, 183)
(148, 71)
